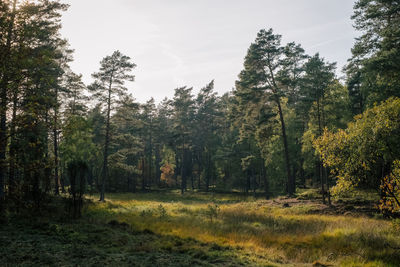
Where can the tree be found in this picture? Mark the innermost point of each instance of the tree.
(109, 84)
(316, 82)
(30, 70)
(7, 25)
(148, 119)
(183, 105)
(206, 140)
(261, 78)
(366, 152)
(75, 94)
(373, 71)
(126, 147)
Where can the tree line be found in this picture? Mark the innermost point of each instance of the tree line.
(288, 123)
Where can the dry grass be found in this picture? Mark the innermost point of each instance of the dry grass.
(262, 232)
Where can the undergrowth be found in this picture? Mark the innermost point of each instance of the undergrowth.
(168, 229)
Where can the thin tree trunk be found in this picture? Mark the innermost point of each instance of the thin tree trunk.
(192, 181)
(157, 163)
(150, 154)
(254, 184)
(302, 174)
(199, 177)
(143, 175)
(290, 183)
(13, 144)
(321, 177)
(106, 144)
(265, 178)
(183, 177)
(62, 177)
(207, 172)
(55, 136)
(3, 106)
(327, 186)
(47, 169)
(199, 171)
(177, 169)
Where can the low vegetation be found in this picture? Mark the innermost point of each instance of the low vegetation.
(203, 229)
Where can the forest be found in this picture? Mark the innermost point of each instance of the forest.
(294, 166)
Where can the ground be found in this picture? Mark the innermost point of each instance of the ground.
(200, 229)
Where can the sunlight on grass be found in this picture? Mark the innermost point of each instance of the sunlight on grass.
(259, 230)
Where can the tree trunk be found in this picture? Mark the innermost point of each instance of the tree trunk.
(265, 178)
(62, 178)
(302, 174)
(3, 105)
(143, 175)
(291, 187)
(55, 136)
(150, 155)
(254, 184)
(321, 177)
(157, 163)
(183, 165)
(207, 172)
(106, 144)
(13, 144)
(327, 186)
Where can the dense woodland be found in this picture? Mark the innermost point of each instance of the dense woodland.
(290, 122)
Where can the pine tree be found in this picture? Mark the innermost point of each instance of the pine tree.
(259, 81)
(376, 53)
(318, 78)
(109, 84)
(183, 104)
(207, 111)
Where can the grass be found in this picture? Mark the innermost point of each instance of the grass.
(167, 229)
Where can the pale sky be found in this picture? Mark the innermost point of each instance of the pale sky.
(190, 42)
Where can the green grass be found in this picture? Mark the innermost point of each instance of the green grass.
(199, 229)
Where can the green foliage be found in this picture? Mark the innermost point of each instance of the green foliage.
(390, 188)
(77, 142)
(373, 71)
(363, 154)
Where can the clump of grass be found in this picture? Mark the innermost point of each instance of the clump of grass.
(162, 212)
(308, 194)
(212, 211)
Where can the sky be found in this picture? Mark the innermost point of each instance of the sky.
(177, 43)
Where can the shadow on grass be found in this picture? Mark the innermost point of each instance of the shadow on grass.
(113, 244)
(304, 238)
(256, 223)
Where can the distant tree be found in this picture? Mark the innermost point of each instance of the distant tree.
(183, 113)
(317, 80)
(148, 131)
(206, 139)
(109, 81)
(76, 97)
(126, 146)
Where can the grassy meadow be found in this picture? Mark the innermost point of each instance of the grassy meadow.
(199, 229)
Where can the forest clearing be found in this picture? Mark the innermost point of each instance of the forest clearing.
(199, 133)
(203, 229)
